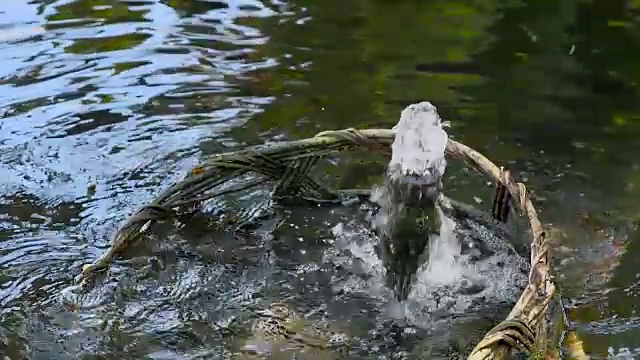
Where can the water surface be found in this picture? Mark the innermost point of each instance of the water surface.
(126, 96)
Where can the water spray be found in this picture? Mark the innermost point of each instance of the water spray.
(408, 215)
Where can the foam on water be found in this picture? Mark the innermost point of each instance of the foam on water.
(451, 281)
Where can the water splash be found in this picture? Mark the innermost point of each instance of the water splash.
(418, 151)
(470, 267)
(408, 218)
(445, 264)
(438, 257)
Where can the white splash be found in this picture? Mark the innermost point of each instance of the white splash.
(445, 265)
(419, 147)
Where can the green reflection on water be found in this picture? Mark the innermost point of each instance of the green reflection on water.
(106, 44)
(364, 55)
(191, 7)
(108, 11)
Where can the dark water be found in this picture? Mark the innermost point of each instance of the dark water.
(128, 95)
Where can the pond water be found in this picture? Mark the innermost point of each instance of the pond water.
(105, 103)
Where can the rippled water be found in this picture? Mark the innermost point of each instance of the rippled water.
(104, 103)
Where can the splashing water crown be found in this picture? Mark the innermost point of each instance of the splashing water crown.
(418, 151)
